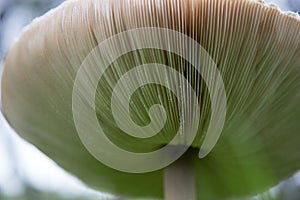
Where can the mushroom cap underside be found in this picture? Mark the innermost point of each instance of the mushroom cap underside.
(255, 47)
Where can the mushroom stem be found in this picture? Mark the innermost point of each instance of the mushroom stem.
(179, 180)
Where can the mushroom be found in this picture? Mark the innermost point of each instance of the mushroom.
(254, 47)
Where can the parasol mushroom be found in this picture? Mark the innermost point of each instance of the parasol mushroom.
(254, 47)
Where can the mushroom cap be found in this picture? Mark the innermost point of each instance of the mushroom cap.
(255, 47)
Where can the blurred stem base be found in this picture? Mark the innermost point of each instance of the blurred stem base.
(180, 180)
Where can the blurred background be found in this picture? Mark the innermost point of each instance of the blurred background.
(25, 172)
